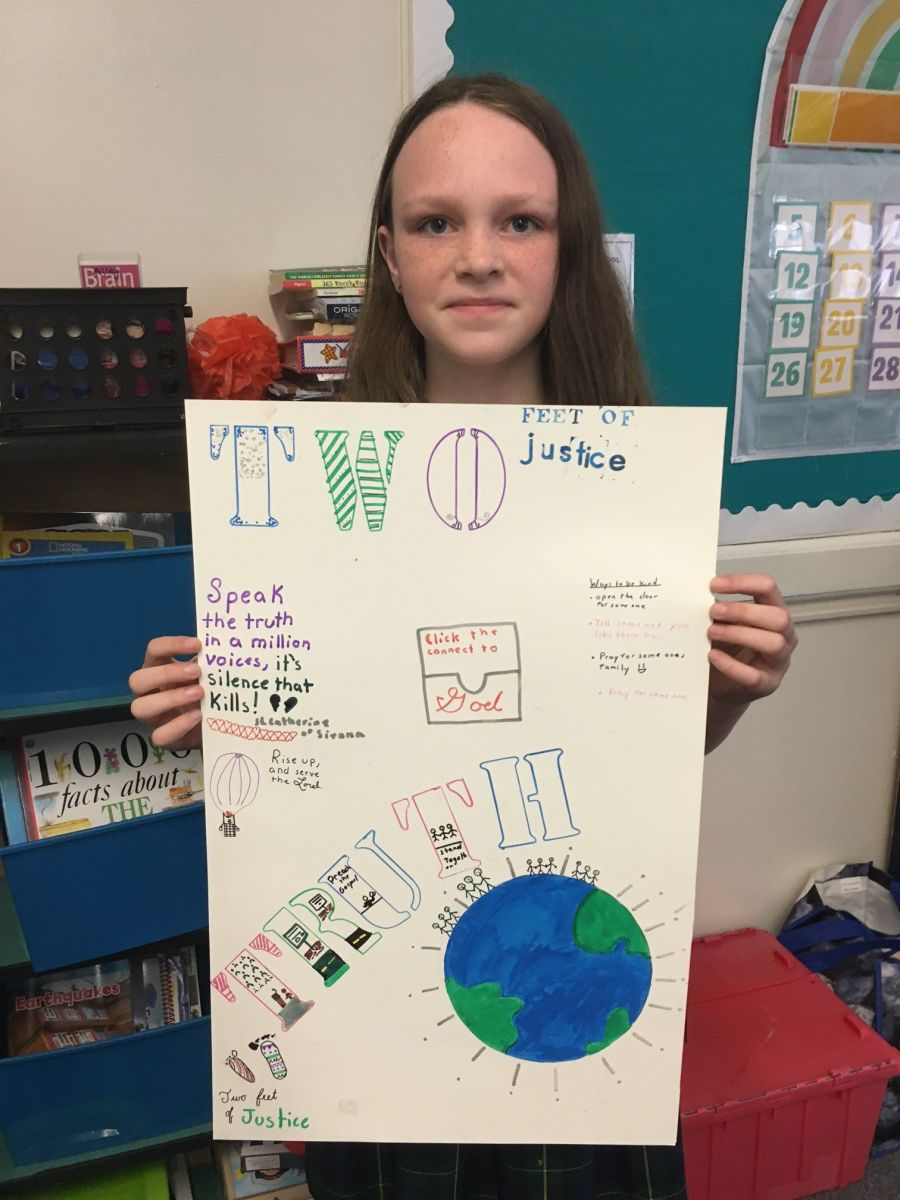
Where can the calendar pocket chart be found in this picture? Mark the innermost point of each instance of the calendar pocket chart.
(820, 317)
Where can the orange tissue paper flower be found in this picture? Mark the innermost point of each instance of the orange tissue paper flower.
(233, 358)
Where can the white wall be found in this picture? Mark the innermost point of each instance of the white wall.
(217, 138)
(809, 775)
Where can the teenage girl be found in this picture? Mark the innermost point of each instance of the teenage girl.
(489, 283)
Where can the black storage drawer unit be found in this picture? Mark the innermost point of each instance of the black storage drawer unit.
(74, 358)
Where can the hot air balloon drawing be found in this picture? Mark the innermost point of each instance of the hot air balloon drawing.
(234, 784)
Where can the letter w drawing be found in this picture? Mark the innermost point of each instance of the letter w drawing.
(370, 482)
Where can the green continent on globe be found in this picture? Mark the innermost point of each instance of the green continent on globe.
(601, 923)
(617, 1023)
(487, 1012)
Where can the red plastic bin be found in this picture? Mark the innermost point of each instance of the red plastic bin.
(782, 1083)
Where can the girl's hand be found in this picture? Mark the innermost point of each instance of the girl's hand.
(752, 643)
(168, 692)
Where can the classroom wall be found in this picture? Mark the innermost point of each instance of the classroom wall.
(248, 137)
(809, 776)
(217, 138)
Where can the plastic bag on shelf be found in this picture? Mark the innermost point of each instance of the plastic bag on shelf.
(846, 927)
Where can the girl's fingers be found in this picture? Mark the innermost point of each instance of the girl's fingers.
(182, 732)
(761, 641)
(752, 641)
(748, 677)
(158, 706)
(762, 616)
(762, 588)
(162, 649)
(167, 692)
(154, 679)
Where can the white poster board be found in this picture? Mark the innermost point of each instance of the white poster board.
(455, 670)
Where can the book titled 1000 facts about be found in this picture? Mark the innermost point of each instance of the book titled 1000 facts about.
(99, 775)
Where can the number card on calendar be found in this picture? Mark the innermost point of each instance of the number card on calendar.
(884, 375)
(851, 275)
(888, 285)
(792, 322)
(832, 372)
(797, 272)
(795, 227)
(850, 227)
(890, 229)
(842, 324)
(886, 330)
(786, 375)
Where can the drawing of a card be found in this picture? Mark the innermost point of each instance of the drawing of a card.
(471, 673)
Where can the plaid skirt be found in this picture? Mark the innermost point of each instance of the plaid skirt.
(369, 1171)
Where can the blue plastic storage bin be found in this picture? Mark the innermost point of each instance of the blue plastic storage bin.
(81, 624)
(75, 1102)
(94, 894)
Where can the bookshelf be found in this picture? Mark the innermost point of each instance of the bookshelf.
(81, 628)
(151, 1087)
(13, 950)
(121, 1171)
(142, 881)
(75, 471)
(83, 624)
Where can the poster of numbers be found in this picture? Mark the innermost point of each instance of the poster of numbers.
(819, 359)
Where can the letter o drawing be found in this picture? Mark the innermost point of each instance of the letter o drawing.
(466, 479)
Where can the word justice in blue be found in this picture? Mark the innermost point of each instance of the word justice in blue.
(568, 452)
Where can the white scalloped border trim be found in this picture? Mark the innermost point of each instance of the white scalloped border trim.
(821, 520)
(431, 56)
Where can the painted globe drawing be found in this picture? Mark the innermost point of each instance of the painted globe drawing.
(547, 968)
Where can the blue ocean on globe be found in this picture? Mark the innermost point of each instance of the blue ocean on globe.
(547, 968)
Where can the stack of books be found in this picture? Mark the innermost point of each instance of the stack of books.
(93, 1003)
(315, 310)
(45, 535)
(165, 988)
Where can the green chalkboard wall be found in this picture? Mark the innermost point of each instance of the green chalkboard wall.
(663, 94)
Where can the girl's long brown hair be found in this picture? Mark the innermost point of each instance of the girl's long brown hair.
(588, 351)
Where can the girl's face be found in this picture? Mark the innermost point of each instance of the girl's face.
(474, 246)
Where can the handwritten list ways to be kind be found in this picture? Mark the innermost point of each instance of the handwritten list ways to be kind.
(455, 672)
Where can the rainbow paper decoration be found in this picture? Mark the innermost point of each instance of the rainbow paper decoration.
(838, 83)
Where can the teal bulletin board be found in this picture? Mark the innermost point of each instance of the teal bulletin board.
(663, 94)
